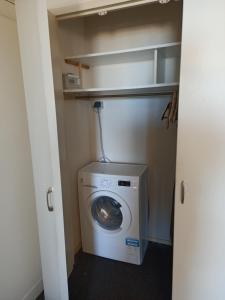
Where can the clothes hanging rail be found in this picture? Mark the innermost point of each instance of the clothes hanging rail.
(133, 91)
(135, 95)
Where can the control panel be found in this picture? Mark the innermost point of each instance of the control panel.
(124, 183)
(103, 182)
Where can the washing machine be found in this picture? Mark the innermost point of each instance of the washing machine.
(113, 203)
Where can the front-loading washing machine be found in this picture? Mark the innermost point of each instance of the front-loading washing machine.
(113, 204)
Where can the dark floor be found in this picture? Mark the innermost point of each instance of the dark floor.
(96, 278)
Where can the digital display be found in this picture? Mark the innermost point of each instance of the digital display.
(123, 183)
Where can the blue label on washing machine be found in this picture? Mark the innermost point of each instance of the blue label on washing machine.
(132, 242)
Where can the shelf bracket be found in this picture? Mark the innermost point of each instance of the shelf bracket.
(77, 64)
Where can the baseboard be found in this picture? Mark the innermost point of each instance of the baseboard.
(159, 241)
(77, 248)
(35, 291)
(70, 263)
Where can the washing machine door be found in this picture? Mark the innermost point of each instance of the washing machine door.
(109, 212)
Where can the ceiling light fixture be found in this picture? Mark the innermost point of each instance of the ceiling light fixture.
(164, 1)
(102, 13)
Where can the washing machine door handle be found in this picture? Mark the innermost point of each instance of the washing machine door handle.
(116, 204)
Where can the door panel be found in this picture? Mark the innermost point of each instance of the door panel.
(37, 73)
(199, 239)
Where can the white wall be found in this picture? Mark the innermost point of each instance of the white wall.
(133, 131)
(20, 272)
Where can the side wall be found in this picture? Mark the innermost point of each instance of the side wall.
(73, 154)
(20, 275)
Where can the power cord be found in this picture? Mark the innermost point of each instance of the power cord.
(98, 107)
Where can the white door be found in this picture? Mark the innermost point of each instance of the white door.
(199, 249)
(37, 73)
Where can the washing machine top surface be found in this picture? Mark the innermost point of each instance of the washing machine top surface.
(114, 169)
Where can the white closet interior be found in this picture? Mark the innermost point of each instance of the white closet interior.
(133, 58)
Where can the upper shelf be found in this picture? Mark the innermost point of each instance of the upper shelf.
(102, 57)
(138, 72)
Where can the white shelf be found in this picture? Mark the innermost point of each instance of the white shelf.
(93, 58)
(137, 71)
(135, 90)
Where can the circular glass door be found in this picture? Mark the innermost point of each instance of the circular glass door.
(106, 211)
